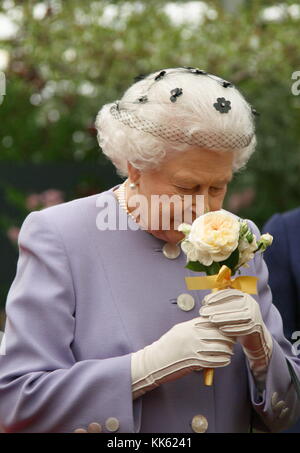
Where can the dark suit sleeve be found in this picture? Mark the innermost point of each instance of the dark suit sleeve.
(279, 387)
(277, 258)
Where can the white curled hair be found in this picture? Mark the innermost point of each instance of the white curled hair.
(194, 109)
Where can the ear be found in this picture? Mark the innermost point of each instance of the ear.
(133, 173)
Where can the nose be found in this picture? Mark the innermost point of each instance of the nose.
(200, 205)
(196, 213)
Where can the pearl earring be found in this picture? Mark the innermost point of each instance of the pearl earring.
(132, 185)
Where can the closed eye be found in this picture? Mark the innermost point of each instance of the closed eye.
(217, 189)
(187, 189)
(213, 190)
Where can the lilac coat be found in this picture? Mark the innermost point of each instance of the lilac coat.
(84, 299)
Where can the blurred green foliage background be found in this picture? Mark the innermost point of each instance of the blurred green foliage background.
(64, 59)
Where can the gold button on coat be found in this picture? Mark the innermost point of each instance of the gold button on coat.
(185, 301)
(171, 251)
(112, 424)
(94, 427)
(199, 424)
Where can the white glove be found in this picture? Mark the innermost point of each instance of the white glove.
(238, 314)
(187, 346)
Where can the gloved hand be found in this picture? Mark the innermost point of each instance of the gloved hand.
(187, 346)
(238, 315)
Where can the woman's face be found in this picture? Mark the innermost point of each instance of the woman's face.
(197, 171)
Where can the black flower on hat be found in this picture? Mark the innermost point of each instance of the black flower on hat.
(160, 75)
(175, 93)
(254, 111)
(222, 105)
(195, 70)
(226, 84)
(143, 99)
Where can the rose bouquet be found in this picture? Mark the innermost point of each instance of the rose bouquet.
(219, 243)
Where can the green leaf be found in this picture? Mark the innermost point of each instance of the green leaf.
(213, 269)
(260, 245)
(232, 261)
(249, 237)
(196, 266)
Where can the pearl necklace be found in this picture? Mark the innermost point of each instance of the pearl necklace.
(122, 199)
(169, 250)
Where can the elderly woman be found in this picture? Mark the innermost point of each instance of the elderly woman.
(101, 333)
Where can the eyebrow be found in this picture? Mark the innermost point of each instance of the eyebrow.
(194, 181)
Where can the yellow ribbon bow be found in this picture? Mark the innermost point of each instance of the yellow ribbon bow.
(222, 280)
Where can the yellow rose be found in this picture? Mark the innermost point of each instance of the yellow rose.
(214, 236)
